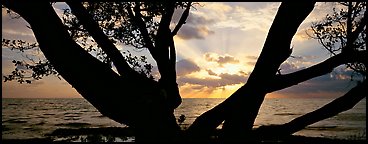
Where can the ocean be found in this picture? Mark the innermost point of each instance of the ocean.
(35, 118)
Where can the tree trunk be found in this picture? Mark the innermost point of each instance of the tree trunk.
(139, 105)
(241, 108)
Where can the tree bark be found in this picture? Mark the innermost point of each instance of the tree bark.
(117, 97)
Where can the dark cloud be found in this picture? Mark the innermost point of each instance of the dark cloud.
(226, 59)
(210, 72)
(221, 60)
(296, 58)
(194, 32)
(195, 26)
(233, 78)
(193, 19)
(224, 80)
(334, 84)
(328, 85)
(243, 73)
(185, 66)
(197, 87)
(342, 73)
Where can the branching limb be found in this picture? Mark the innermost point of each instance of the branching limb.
(241, 108)
(137, 20)
(341, 104)
(182, 20)
(245, 102)
(209, 120)
(172, 61)
(287, 80)
(96, 32)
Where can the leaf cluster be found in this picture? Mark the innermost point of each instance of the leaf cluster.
(37, 70)
(332, 31)
(139, 64)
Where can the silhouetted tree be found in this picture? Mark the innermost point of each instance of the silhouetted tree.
(342, 33)
(130, 97)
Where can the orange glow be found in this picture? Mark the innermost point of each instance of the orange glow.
(192, 91)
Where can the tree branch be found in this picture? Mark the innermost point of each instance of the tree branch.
(284, 81)
(137, 19)
(343, 103)
(349, 27)
(247, 100)
(163, 37)
(215, 116)
(182, 20)
(116, 97)
(172, 62)
(96, 32)
(240, 109)
(80, 69)
(167, 57)
(354, 35)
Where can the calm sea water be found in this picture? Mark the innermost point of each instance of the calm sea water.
(33, 118)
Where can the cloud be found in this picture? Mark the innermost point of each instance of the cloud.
(194, 32)
(288, 67)
(319, 12)
(251, 60)
(185, 66)
(243, 16)
(195, 27)
(232, 79)
(210, 72)
(249, 5)
(251, 63)
(15, 28)
(334, 84)
(220, 59)
(226, 59)
(252, 57)
(343, 73)
(322, 86)
(223, 80)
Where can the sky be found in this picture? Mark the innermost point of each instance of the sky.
(216, 52)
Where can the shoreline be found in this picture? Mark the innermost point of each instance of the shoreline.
(115, 134)
(290, 139)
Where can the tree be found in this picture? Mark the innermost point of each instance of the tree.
(135, 23)
(341, 33)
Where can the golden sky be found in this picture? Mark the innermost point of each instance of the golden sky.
(216, 51)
